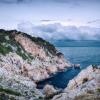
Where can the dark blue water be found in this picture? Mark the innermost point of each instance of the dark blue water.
(60, 80)
(79, 55)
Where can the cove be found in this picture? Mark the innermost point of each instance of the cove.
(59, 80)
(84, 56)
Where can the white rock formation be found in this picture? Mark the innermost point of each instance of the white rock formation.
(49, 90)
(25, 60)
(86, 82)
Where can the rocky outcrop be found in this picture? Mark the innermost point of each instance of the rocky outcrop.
(29, 56)
(49, 90)
(17, 87)
(30, 46)
(24, 60)
(84, 76)
(87, 83)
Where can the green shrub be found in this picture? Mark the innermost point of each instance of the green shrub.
(94, 66)
(98, 90)
(40, 98)
(85, 80)
(4, 50)
(9, 91)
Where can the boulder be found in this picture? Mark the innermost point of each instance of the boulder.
(52, 69)
(49, 90)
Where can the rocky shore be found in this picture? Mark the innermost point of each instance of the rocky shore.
(85, 86)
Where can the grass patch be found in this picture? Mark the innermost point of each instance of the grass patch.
(22, 55)
(4, 50)
(9, 91)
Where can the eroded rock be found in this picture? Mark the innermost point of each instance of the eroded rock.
(49, 90)
(86, 83)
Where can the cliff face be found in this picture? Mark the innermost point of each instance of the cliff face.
(85, 86)
(25, 60)
(30, 56)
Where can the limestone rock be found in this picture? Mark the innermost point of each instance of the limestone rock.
(24, 60)
(49, 90)
(85, 83)
(85, 75)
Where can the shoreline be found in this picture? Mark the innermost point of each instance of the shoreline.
(40, 84)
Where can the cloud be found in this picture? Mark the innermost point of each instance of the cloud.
(15, 1)
(93, 21)
(46, 20)
(30, 1)
(57, 31)
(10, 1)
(71, 3)
(75, 2)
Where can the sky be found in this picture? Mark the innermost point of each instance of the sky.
(79, 19)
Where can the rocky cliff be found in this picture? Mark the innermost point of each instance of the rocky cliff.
(85, 86)
(25, 60)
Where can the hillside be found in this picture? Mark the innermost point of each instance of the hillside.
(25, 60)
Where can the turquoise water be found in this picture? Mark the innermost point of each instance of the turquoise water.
(84, 56)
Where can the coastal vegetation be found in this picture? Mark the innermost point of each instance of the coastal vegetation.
(9, 91)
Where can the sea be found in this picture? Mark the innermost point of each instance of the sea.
(85, 53)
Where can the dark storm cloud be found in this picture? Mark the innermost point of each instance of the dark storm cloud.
(8, 1)
(14, 1)
(37, 1)
(41, 1)
(70, 3)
